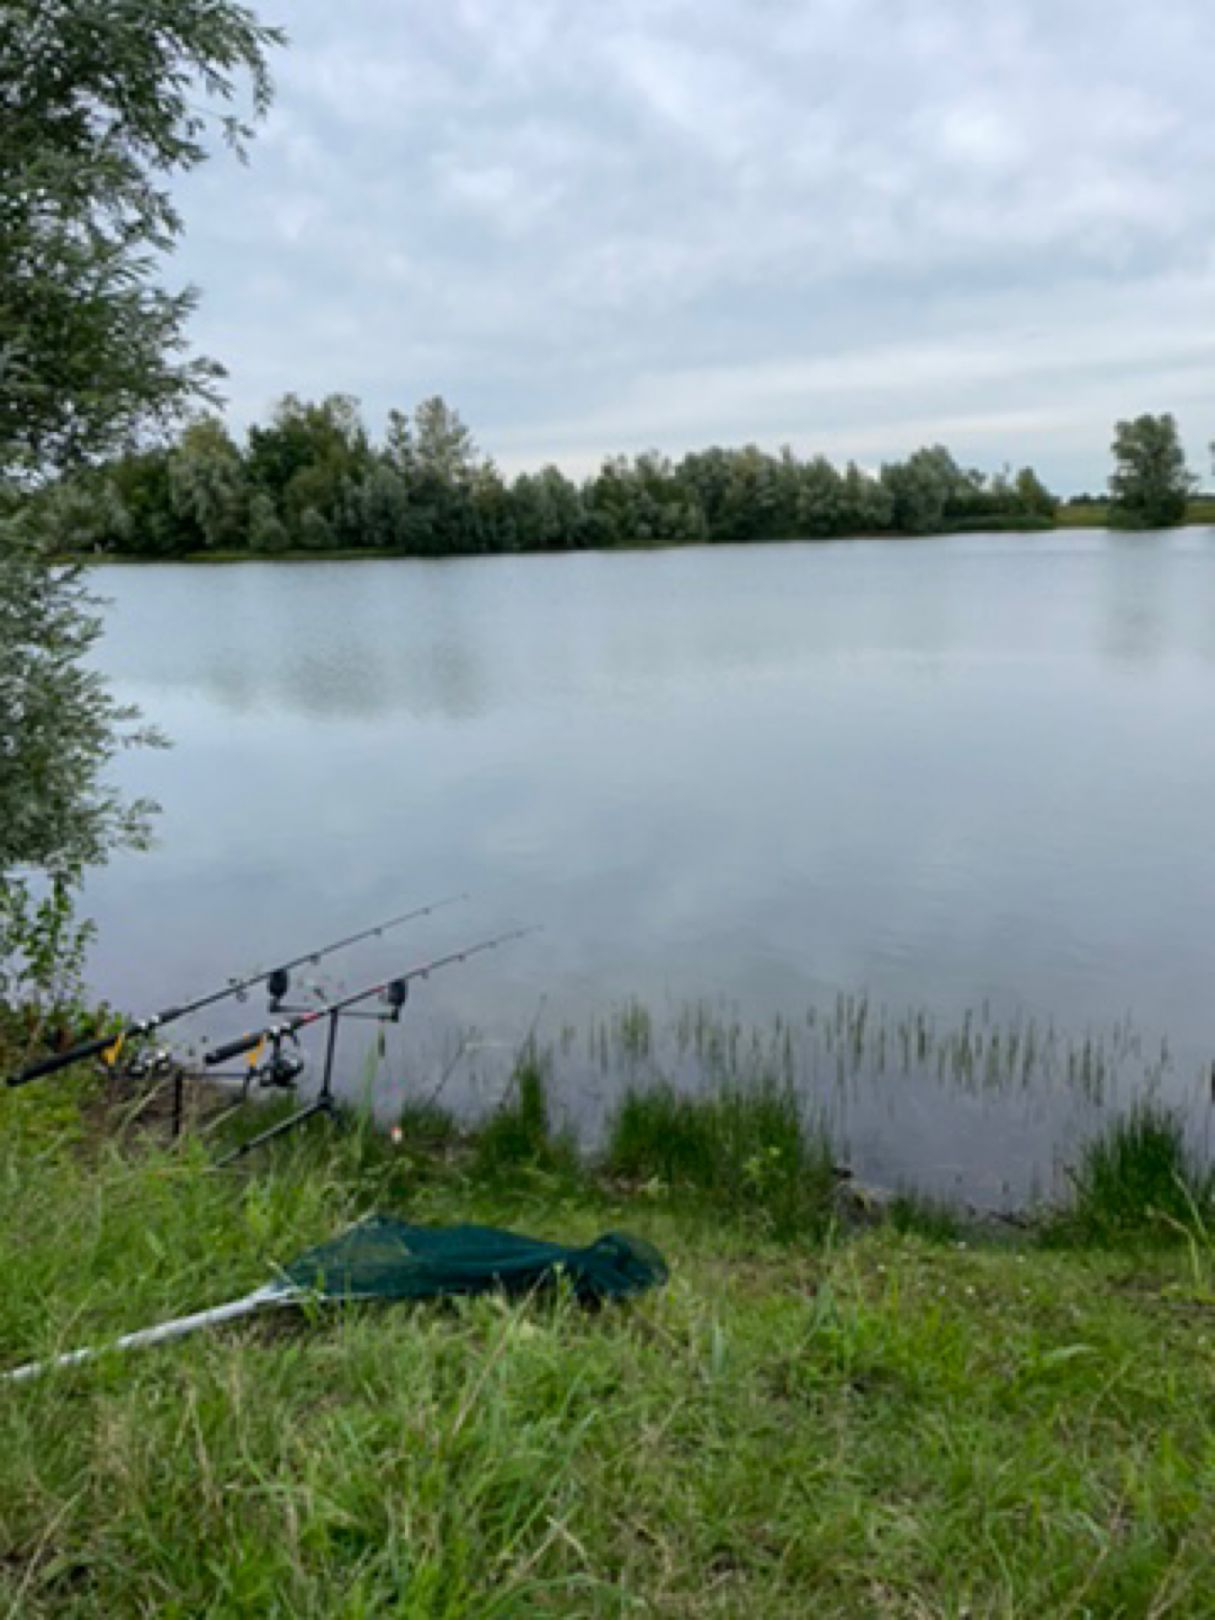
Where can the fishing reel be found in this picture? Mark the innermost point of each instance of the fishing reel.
(268, 1063)
(281, 1069)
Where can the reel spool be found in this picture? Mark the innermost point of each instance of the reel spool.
(282, 1069)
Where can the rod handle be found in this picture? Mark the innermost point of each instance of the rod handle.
(61, 1060)
(231, 1049)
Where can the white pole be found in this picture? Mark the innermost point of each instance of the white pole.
(271, 1294)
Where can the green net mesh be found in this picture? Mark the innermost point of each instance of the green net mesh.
(382, 1258)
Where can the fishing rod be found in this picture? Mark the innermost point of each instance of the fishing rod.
(393, 992)
(277, 981)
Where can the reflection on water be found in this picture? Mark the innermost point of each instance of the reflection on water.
(946, 772)
(1143, 603)
(457, 639)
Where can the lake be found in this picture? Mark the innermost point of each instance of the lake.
(964, 781)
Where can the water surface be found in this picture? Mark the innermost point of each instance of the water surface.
(975, 772)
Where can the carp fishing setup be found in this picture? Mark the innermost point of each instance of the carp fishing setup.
(272, 1052)
(380, 1257)
(392, 993)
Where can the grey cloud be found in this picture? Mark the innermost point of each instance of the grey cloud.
(846, 223)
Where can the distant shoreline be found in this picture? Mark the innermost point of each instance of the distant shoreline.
(1073, 519)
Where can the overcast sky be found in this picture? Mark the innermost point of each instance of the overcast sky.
(854, 226)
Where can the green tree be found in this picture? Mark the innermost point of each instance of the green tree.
(59, 731)
(820, 499)
(377, 509)
(643, 502)
(102, 104)
(207, 487)
(548, 511)
(1150, 484)
(267, 531)
(443, 447)
(141, 485)
(84, 514)
(1033, 499)
(921, 489)
(868, 505)
(309, 458)
(706, 475)
(759, 503)
(314, 530)
(447, 468)
(399, 450)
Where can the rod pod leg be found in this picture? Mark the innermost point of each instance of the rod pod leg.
(323, 1104)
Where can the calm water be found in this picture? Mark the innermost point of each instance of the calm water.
(966, 773)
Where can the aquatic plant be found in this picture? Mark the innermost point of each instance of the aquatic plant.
(1138, 1179)
(519, 1133)
(744, 1148)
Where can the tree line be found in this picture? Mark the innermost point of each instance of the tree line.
(311, 478)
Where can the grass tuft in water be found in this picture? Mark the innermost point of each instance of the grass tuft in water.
(747, 1151)
(1136, 1181)
(519, 1134)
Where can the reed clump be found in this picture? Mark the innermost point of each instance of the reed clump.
(746, 1151)
(519, 1134)
(1137, 1181)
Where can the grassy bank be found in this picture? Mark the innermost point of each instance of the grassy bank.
(865, 1423)
(1096, 514)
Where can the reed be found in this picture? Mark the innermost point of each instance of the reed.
(519, 1133)
(1136, 1181)
(833, 1051)
(744, 1150)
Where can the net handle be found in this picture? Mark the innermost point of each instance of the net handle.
(260, 1298)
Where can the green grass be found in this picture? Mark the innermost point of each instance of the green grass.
(928, 1218)
(427, 1125)
(1096, 514)
(1137, 1182)
(518, 1135)
(743, 1152)
(882, 1426)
